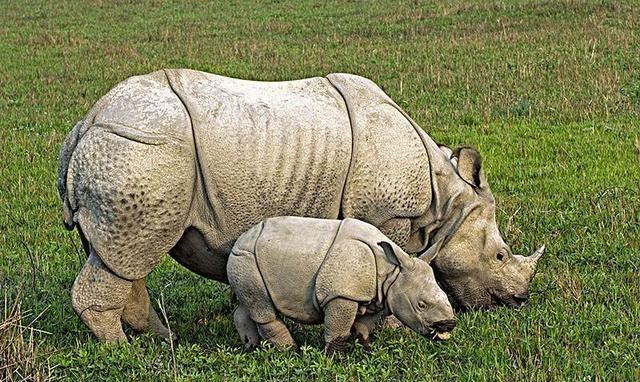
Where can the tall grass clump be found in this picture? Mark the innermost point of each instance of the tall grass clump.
(19, 351)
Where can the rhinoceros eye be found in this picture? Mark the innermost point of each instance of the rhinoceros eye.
(500, 256)
(422, 305)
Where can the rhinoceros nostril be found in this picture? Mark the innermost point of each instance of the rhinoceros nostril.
(521, 298)
(444, 325)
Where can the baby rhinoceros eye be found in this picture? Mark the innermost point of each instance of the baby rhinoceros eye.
(422, 305)
(500, 256)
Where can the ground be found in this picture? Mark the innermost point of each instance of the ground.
(548, 91)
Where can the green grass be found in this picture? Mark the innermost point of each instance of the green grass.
(549, 91)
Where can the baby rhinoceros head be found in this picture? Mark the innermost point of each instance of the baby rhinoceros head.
(415, 298)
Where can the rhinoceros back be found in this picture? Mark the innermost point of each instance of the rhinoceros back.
(265, 148)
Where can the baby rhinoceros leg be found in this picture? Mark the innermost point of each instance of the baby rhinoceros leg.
(247, 283)
(339, 315)
(246, 327)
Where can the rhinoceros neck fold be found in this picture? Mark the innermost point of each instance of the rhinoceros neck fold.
(450, 209)
(450, 203)
(386, 274)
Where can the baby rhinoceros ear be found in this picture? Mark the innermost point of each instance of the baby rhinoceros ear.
(430, 253)
(398, 257)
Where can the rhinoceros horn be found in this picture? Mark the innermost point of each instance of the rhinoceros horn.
(430, 253)
(532, 260)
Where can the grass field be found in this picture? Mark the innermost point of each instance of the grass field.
(549, 91)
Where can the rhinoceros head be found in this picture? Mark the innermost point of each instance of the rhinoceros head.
(475, 266)
(415, 298)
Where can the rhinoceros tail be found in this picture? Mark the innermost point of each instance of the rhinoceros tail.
(67, 149)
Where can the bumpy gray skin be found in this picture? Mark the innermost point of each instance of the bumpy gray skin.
(183, 162)
(334, 271)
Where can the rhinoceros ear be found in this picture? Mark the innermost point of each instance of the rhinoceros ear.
(398, 257)
(470, 167)
(430, 253)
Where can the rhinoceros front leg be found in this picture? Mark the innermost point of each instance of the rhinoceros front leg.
(277, 333)
(140, 315)
(339, 315)
(365, 326)
(246, 327)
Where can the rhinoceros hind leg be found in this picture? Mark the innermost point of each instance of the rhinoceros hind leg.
(99, 297)
(246, 327)
(140, 315)
(277, 333)
(248, 285)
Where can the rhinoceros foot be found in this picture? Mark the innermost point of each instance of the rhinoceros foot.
(338, 347)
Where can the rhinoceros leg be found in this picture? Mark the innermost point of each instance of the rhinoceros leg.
(99, 297)
(365, 326)
(246, 327)
(131, 192)
(140, 315)
(247, 284)
(277, 333)
(339, 315)
(102, 299)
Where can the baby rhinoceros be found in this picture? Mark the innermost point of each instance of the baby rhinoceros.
(344, 273)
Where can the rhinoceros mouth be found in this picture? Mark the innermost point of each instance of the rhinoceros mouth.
(439, 336)
(440, 331)
(509, 301)
(436, 336)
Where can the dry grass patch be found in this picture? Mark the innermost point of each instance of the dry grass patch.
(20, 359)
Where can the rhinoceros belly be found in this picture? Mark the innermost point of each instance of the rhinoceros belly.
(265, 148)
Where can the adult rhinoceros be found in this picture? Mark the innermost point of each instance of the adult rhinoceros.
(182, 161)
